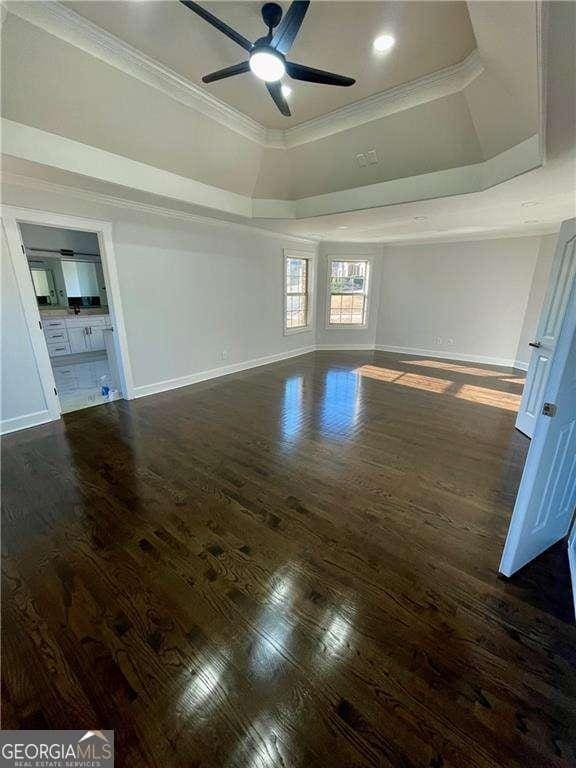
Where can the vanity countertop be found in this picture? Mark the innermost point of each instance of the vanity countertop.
(61, 312)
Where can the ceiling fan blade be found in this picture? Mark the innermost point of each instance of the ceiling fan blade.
(237, 69)
(289, 27)
(275, 90)
(311, 75)
(220, 25)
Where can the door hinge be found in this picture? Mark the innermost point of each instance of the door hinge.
(55, 391)
(549, 409)
(40, 324)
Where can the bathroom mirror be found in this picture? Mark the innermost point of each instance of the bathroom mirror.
(44, 286)
(82, 284)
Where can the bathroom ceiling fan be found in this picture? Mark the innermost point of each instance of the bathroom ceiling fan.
(268, 54)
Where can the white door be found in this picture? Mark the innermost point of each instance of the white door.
(561, 277)
(547, 495)
(77, 337)
(572, 561)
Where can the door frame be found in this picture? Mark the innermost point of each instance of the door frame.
(12, 217)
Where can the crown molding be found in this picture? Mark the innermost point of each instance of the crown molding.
(436, 85)
(101, 198)
(67, 25)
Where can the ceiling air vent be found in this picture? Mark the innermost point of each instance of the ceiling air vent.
(367, 158)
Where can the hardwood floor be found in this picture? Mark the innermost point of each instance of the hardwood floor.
(293, 566)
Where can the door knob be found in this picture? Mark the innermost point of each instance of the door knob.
(535, 344)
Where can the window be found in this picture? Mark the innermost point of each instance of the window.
(347, 292)
(297, 300)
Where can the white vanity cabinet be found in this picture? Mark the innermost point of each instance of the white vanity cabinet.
(74, 335)
(96, 337)
(77, 337)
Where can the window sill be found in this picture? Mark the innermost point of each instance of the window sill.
(293, 331)
(345, 327)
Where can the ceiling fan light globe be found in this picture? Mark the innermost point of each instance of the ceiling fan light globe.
(267, 66)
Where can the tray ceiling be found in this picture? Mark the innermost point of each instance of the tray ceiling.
(335, 36)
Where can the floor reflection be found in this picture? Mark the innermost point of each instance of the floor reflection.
(340, 405)
(335, 640)
(291, 419)
(267, 744)
(267, 653)
(199, 691)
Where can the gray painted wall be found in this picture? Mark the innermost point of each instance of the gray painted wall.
(191, 292)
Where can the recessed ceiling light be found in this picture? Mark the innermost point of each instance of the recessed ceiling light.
(383, 43)
(420, 218)
(532, 221)
(267, 65)
(286, 91)
(530, 204)
(341, 227)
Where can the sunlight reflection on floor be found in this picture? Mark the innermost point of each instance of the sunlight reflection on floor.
(442, 366)
(483, 395)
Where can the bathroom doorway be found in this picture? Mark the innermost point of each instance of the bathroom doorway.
(66, 275)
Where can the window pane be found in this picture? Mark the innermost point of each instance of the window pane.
(296, 293)
(348, 283)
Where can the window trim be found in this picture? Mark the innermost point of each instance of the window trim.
(348, 326)
(309, 256)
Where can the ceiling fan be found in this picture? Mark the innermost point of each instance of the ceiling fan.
(267, 55)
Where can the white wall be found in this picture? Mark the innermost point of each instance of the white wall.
(475, 293)
(21, 393)
(327, 337)
(536, 296)
(190, 292)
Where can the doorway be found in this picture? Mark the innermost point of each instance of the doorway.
(66, 275)
(71, 293)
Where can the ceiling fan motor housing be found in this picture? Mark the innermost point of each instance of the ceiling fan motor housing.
(272, 14)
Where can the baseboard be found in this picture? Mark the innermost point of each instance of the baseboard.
(24, 422)
(344, 347)
(213, 373)
(466, 358)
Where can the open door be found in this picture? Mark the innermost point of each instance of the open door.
(572, 561)
(547, 495)
(561, 278)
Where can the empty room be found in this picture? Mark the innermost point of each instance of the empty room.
(288, 405)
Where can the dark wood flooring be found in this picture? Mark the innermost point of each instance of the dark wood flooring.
(294, 566)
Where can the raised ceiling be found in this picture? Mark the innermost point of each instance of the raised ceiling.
(336, 36)
(83, 107)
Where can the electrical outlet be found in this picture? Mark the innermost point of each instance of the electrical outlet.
(438, 340)
(450, 341)
(224, 354)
